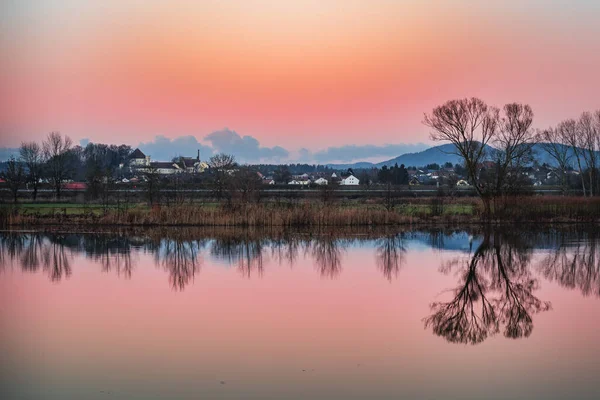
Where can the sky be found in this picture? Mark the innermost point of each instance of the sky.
(299, 79)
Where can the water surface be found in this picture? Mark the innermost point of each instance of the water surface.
(185, 314)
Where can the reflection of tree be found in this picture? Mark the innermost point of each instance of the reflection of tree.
(328, 256)
(30, 259)
(575, 264)
(180, 259)
(496, 290)
(56, 259)
(12, 247)
(112, 252)
(390, 255)
(33, 251)
(285, 249)
(246, 251)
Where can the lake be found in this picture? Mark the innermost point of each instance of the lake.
(233, 314)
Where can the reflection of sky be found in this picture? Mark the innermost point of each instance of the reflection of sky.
(355, 336)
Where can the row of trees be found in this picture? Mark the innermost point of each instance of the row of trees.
(50, 160)
(57, 160)
(576, 142)
(480, 133)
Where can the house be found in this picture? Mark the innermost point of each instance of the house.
(462, 183)
(350, 180)
(321, 181)
(138, 159)
(164, 167)
(298, 182)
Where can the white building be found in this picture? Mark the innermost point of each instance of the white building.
(321, 181)
(140, 162)
(350, 181)
(297, 182)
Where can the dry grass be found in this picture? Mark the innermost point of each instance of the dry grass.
(316, 215)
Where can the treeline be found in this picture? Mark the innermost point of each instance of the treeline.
(473, 127)
(57, 160)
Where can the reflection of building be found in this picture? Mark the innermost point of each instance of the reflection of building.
(141, 162)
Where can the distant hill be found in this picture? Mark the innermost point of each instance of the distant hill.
(441, 155)
(543, 157)
(358, 165)
(437, 154)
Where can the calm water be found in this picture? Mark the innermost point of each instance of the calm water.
(237, 315)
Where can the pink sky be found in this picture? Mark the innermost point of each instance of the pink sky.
(296, 73)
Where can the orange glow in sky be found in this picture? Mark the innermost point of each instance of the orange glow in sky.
(292, 73)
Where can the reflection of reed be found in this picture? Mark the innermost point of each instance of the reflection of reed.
(390, 255)
(495, 283)
(496, 289)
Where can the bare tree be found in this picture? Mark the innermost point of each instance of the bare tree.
(469, 124)
(588, 133)
(153, 185)
(245, 185)
(56, 151)
(551, 141)
(14, 176)
(569, 131)
(33, 157)
(220, 165)
(513, 144)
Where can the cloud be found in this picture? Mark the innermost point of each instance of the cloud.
(245, 148)
(162, 148)
(352, 153)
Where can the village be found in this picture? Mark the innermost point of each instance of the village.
(139, 165)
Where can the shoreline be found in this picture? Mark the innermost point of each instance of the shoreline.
(309, 214)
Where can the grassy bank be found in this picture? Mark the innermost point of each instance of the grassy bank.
(309, 213)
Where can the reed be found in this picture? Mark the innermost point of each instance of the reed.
(317, 215)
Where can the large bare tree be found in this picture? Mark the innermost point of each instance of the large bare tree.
(56, 151)
(469, 124)
(513, 143)
(33, 157)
